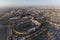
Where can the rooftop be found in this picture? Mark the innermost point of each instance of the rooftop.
(26, 25)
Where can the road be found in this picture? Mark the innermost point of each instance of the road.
(3, 32)
(55, 33)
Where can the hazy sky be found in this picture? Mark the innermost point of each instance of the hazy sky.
(29, 2)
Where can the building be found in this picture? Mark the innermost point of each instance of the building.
(25, 27)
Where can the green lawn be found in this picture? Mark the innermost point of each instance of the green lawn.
(27, 26)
